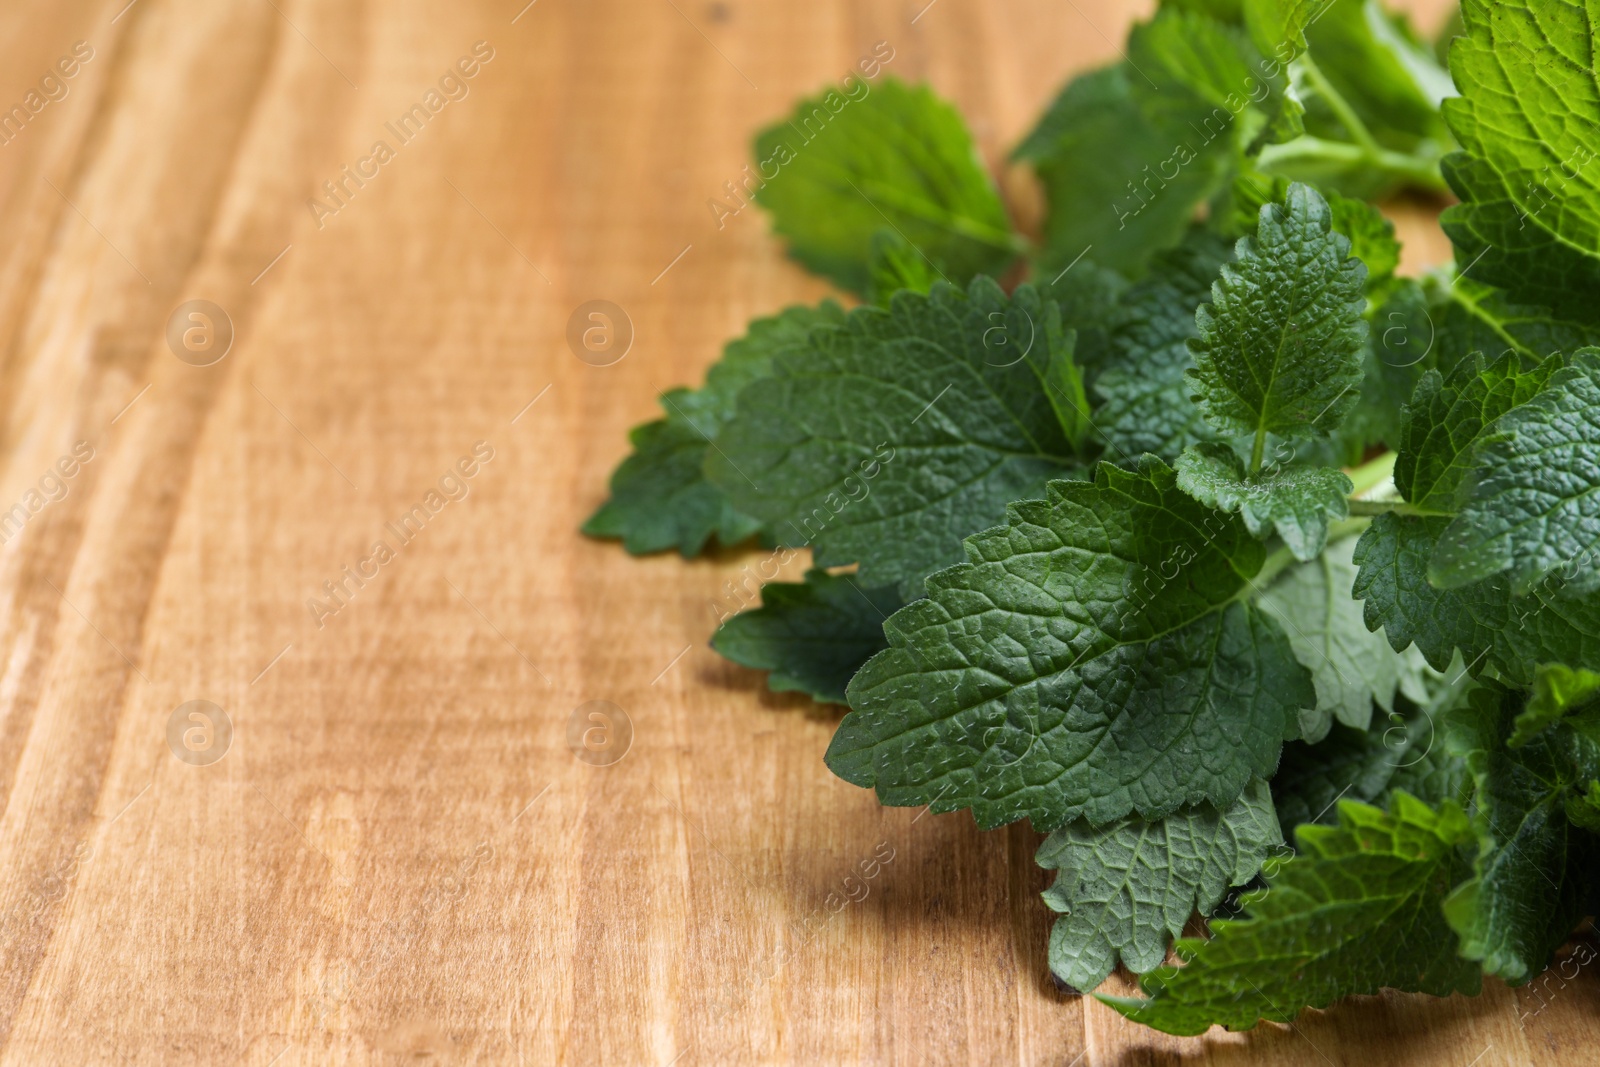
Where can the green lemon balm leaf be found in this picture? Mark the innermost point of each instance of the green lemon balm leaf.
(1446, 418)
(1358, 910)
(1146, 405)
(895, 265)
(1120, 185)
(1533, 876)
(1406, 753)
(1124, 890)
(1483, 621)
(1297, 502)
(1280, 343)
(886, 440)
(812, 635)
(660, 497)
(1351, 667)
(850, 163)
(1095, 656)
(1528, 120)
(1534, 506)
(1557, 690)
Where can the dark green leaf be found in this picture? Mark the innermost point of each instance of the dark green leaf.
(1358, 910)
(1531, 884)
(1297, 502)
(887, 441)
(1093, 657)
(660, 498)
(1146, 398)
(1126, 889)
(1489, 626)
(1534, 503)
(812, 635)
(1447, 417)
(1279, 349)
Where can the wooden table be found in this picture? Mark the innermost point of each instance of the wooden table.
(396, 854)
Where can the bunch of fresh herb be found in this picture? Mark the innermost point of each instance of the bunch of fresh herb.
(1217, 526)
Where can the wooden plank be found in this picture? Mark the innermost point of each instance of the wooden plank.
(398, 853)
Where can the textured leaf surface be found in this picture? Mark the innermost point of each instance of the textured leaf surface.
(1091, 658)
(1446, 418)
(1489, 626)
(1279, 349)
(1478, 318)
(1533, 874)
(1350, 666)
(1529, 122)
(1126, 889)
(812, 636)
(887, 441)
(1146, 398)
(1372, 239)
(1407, 752)
(1297, 502)
(1358, 910)
(660, 497)
(896, 157)
(1534, 505)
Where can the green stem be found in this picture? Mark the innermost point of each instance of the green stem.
(1257, 450)
(1341, 107)
(1421, 170)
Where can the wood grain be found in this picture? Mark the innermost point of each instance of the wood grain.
(399, 856)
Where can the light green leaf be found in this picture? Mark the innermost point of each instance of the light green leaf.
(1297, 502)
(813, 635)
(1557, 690)
(660, 497)
(847, 164)
(886, 441)
(1093, 657)
(1126, 889)
(1350, 666)
(1534, 504)
(1120, 185)
(895, 265)
(1280, 344)
(1358, 910)
(1528, 120)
